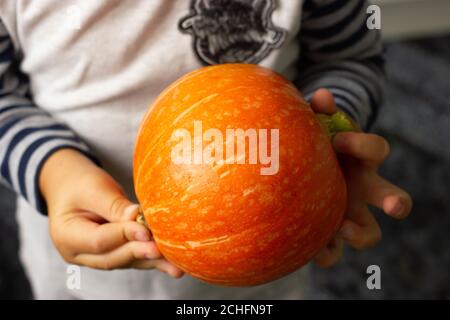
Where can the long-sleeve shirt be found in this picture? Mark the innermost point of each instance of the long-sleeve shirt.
(81, 74)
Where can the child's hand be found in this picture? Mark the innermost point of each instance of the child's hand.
(360, 156)
(91, 222)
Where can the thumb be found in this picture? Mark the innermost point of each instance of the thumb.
(122, 209)
(109, 200)
(323, 102)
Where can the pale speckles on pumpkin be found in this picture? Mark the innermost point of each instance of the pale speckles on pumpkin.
(320, 145)
(198, 227)
(248, 191)
(219, 224)
(306, 178)
(265, 198)
(224, 174)
(287, 195)
(193, 204)
(178, 214)
(168, 243)
(207, 242)
(257, 104)
(247, 106)
(290, 253)
(272, 236)
(191, 187)
(175, 93)
(154, 210)
(285, 112)
(194, 106)
(205, 114)
(206, 210)
(228, 197)
(321, 204)
(293, 107)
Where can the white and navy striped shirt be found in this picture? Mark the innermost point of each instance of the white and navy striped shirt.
(82, 72)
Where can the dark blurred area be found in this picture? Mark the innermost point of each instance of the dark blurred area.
(414, 255)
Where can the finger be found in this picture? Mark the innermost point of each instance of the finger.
(386, 196)
(82, 235)
(360, 230)
(323, 102)
(110, 202)
(116, 208)
(161, 264)
(331, 254)
(122, 257)
(364, 146)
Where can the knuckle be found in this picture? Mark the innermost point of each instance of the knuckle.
(68, 258)
(137, 251)
(97, 245)
(116, 207)
(128, 230)
(377, 236)
(105, 264)
(327, 262)
(368, 241)
(154, 252)
(361, 245)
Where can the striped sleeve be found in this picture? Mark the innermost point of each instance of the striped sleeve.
(28, 135)
(340, 53)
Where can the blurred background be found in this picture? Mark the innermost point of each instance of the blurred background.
(414, 255)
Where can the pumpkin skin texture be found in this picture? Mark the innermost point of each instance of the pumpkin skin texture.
(227, 224)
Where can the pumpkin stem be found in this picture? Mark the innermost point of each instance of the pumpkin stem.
(140, 218)
(337, 122)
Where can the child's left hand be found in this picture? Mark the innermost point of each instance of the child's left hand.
(360, 156)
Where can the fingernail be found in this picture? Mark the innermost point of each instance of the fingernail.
(346, 232)
(141, 236)
(397, 209)
(131, 210)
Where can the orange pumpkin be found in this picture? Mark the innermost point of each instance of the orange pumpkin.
(225, 222)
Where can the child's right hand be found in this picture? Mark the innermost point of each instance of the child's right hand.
(91, 221)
